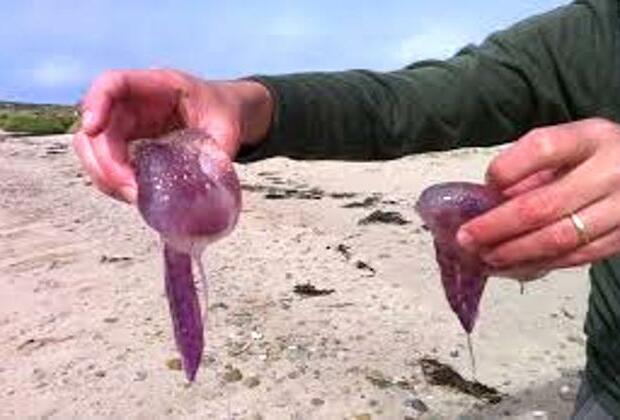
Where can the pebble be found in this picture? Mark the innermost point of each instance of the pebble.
(540, 415)
(364, 416)
(454, 353)
(566, 393)
(417, 404)
(140, 376)
(251, 382)
(317, 401)
(174, 364)
(232, 375)
(100, 373)
(256, 335)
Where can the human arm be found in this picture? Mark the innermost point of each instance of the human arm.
(549, 69)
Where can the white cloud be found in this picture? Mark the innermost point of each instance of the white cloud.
(58, 71)
(433, 42)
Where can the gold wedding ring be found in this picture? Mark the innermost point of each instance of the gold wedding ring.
(580, 227)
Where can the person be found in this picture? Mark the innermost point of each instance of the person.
(550, 83)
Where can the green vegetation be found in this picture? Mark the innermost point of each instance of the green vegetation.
(36, 119)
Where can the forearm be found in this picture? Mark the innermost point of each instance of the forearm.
(548, 69)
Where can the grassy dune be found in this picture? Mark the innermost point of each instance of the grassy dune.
(36, 119)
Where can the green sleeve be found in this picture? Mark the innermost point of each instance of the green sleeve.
(548, 69)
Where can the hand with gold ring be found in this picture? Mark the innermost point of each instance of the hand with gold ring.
(563, 207)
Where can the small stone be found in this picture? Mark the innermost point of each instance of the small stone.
(251, 381)
(373, 403)
(100, 373)
(140, 376)
(262, 357)
(364, 416)
(576, 339)
(566, 393)
(174, 364)
(256, 335)
(454, 353)
(110, 320)
(317, 401)
(539, 415)
(417, 404)
(232, 375)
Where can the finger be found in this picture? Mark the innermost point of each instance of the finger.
(536, 208)
(542, 148)
(97, 102)
(225, 135)
(87, 158)
(531, 182)
(115, 86)
(110, 151)
(601, 248)
(558, 238)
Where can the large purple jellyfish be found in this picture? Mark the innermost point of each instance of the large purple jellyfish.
(444, 208)
(188, 192)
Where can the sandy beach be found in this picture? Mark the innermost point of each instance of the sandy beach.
(85, 330)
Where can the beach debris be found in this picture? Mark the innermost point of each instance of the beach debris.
(56, 148)
(361, 265)
(174, 364)
(272, 192)
(140, 376)
(440, 374)
(367, 202)
(341, 195)
(345, 250)
(33, 344)
(232, 374)
(310, 290)
(444, 208)
(251, 381)
(189, 193)
(105, 259)
(382, 381)
(384, 217)
(416, 404)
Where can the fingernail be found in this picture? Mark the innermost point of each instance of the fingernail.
(466, 241)
(88, 119)
(492, 260)
(129, 194)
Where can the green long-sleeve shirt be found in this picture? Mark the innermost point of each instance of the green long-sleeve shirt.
(557, 67)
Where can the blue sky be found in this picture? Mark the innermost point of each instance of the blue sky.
(51, 49)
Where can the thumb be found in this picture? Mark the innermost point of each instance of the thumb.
(226, 136)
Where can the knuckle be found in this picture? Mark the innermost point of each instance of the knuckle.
(541, 143)
(496, 173)
(108, 76)
(600, 126)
